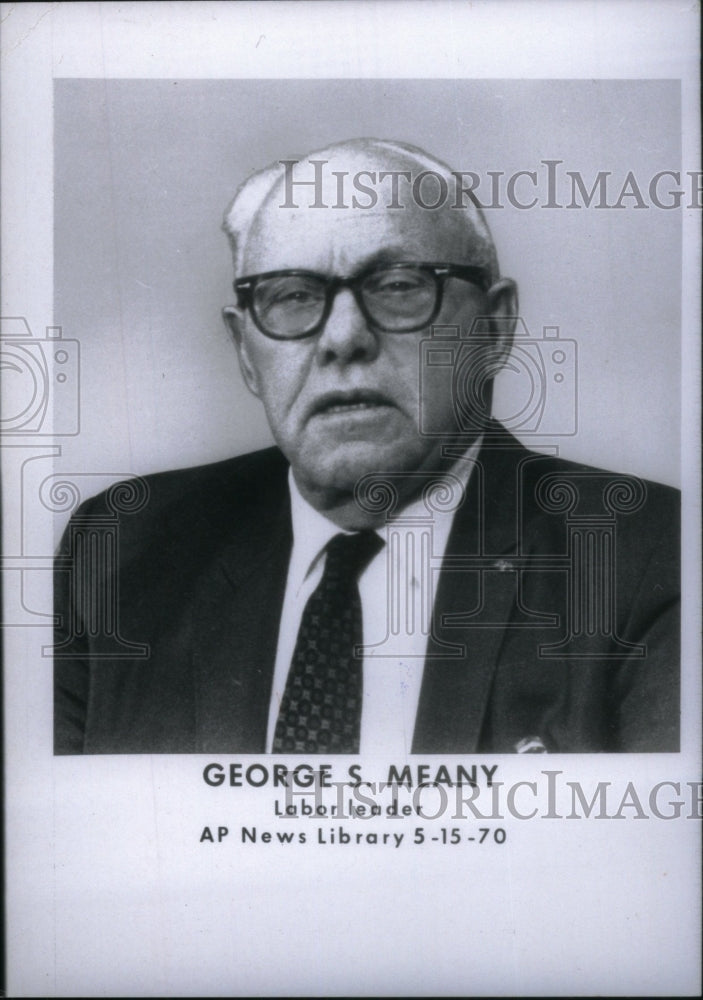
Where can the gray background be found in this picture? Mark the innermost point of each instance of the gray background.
(145, 168)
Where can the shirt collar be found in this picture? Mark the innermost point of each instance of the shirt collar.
(311, 533)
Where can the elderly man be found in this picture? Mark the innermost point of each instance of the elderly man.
(400, 574)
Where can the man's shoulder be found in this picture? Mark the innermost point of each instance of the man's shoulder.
(594, 490)
(215, 492)
(561, 484)
(241, 477)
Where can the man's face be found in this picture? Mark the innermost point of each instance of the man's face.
(346, 401)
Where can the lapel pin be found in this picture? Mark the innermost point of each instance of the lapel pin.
(530, 744)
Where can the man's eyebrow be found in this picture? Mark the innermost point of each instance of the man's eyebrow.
(387, 255)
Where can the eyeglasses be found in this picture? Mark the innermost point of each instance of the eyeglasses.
(395, 298)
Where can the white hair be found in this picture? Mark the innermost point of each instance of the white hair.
(242, 211)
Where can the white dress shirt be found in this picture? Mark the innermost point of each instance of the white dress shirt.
(397, 591)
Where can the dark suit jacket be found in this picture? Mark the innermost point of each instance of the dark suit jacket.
(555, 619)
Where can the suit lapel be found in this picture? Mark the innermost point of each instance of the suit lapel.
(237, 612)
(236, 628)
(471, 609)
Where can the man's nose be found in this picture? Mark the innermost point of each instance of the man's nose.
(346, 336)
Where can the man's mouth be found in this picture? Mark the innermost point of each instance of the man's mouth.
(348, 402)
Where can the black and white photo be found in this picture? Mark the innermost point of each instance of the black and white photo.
(351, 498)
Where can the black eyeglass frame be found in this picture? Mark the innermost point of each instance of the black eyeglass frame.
(245, 288)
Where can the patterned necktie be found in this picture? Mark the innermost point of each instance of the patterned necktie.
(321, 705)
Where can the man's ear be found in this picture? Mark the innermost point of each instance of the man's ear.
(234, 318)
(503, 308)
